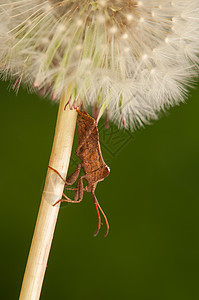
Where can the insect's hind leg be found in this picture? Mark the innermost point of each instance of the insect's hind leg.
(70, 179)
(73, 177)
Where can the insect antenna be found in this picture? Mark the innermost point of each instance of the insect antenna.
(99, 219)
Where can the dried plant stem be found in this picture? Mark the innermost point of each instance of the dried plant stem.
(47, 216)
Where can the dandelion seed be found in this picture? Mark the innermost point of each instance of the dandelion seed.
(51, 45)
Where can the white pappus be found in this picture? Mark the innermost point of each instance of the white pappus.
(129, 58)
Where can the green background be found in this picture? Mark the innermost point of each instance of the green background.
(150, 198)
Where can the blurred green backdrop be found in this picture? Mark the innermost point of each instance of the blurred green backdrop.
(150, 198)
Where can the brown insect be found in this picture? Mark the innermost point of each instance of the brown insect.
(92, 163)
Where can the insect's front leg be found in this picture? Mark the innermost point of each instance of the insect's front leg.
(78, 196)
(69, 181)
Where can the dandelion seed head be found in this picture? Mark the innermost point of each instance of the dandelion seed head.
(130, 58)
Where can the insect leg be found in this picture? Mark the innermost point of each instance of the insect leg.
(80, 189)
(72, 178)
(70, 189)
(67, 200)
(78, 194)
(99, 219)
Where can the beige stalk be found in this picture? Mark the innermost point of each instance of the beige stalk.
(47, 216)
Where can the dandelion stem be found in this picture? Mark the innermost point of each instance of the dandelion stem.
(47, 216)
